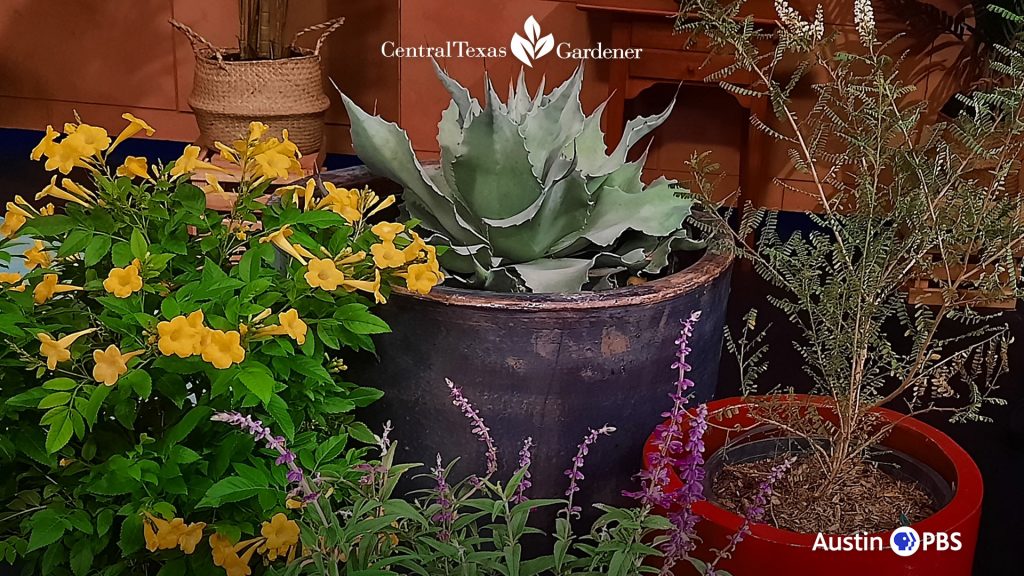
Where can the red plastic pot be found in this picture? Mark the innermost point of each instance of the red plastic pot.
(769, 551)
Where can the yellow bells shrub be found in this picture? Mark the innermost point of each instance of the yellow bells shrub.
(189, 162)
(213, 185)
(64, 156)
(11, 279)
(49, 287)
(54, 191)
(281, 535)
(229, 154)
(134, 167)
(373, 203)
(123, 282)
(385, 255)
(308, 192)
(415, 248)
(74, 188)
(422, 278)
(11, 224)
(235, 565)
(57, 351)
(257, 130)
(163, 534)
(280, 237)
(45, 145)
(36, 256)
(324, 274)
(343, 202)
(191, 536)
(135, 125)
(222, 349)
(91, 139)
(221, 548)
(367, 286)
(181, 336)
(273, 165)
(111, 364)
(387, 231)
(289, 324)
(20, 206)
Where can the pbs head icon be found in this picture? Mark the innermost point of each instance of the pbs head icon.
(905, 541)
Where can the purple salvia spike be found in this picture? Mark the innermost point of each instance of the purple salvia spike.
(479, 428)
(525, 459)
(574, 473)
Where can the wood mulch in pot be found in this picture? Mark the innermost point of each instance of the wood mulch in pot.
(865, 499)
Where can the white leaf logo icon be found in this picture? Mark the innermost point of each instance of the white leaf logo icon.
(533, 47)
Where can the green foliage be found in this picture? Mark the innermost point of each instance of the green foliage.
(900, 202)
(82, 459)
(476, 526)
(526, 193)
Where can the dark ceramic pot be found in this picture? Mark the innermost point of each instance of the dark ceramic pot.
(546, 366)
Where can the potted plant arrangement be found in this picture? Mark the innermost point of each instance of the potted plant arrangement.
(139, 313)
(482, 524)
(264, 80)
(565, 279)
(899, 201)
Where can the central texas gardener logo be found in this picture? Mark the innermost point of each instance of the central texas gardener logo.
(533, 47)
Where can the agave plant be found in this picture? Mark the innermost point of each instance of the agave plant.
(526, 194)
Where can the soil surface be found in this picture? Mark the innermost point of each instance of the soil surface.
(865, 499)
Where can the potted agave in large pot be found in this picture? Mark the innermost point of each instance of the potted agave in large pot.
(871, 487)
(567, 278)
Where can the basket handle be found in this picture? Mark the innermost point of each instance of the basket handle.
(197, 40)
(327, 27)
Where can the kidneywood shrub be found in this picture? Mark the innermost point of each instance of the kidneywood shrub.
(902, 200)
(142, 313)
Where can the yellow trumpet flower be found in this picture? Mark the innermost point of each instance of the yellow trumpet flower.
(135, 125)
(49, 287)
(12, 223)
(134, 167)
(91, 139)
(78, 190)
(45, 145)
(123, 282)
(289, 325)
(422, 278)
(222, 349)
(280, 237)
(189, 162)
(385, 255)
(280, 535)
(57, 351)
(181, 336)
(324, 274)
(111, 364)
(54, 191)
(367, 286)
(36, 256)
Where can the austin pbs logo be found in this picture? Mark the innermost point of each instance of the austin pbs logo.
(906, 541)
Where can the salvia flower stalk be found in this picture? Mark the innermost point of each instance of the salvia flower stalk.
(575, 473)
(480, 429)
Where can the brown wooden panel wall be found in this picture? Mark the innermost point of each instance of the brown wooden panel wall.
(104, 58)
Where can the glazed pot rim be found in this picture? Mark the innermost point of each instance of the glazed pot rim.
(967, 483)
(711, 265)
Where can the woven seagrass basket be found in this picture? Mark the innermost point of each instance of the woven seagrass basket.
(285, 93)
